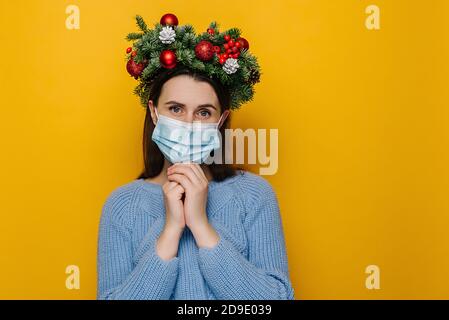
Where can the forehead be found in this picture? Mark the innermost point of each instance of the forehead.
(186, 90)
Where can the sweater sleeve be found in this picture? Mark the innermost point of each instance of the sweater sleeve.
(120, 275)
(264, 274)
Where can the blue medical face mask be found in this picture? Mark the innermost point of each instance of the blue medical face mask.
(181, 141)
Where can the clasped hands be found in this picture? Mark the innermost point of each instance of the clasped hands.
(185, 195)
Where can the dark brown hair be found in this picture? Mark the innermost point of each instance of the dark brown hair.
(153, 157)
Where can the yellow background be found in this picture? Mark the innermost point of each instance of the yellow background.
(363, 137)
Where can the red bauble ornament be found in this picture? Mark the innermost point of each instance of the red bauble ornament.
(168, 59)
(222, 60)
(231, 43)
(204, 50)
(134, 53)
(217, 49)
(134, 69)
(210, 31)
(227, 37)
(169, 19)
(243, 42)
(129, 49)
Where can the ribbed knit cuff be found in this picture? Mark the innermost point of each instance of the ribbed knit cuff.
(148, 243)
(231, 276)
(221, 266)
(154, 277)
(157, 274)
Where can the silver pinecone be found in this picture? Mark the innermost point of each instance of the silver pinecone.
(230, 66)
(167, 35)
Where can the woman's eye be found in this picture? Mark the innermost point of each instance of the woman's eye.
(204, 113)
(175, 109)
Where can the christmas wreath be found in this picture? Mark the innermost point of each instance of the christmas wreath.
(224, 56)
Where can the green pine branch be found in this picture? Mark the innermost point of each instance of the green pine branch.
(214, 25)
(133, 36)
(189, 28)
(198, 65)
(141, 24)
(234, 33)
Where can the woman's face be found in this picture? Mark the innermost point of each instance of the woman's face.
(186, 99)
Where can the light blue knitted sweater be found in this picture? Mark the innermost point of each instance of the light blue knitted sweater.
(249, 262)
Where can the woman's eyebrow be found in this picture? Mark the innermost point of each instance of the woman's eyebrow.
(174, 102)
(205, 105)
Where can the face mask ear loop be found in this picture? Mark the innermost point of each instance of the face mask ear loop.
(219, 122)
(155, 111)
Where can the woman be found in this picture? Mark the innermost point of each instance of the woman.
(190, 230)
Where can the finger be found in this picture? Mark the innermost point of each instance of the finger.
(192, 166)
(199, 172)
(166, 186)
(179, 188)
(185, 170)
(171, 185)
(181, 179)
(178, 191)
